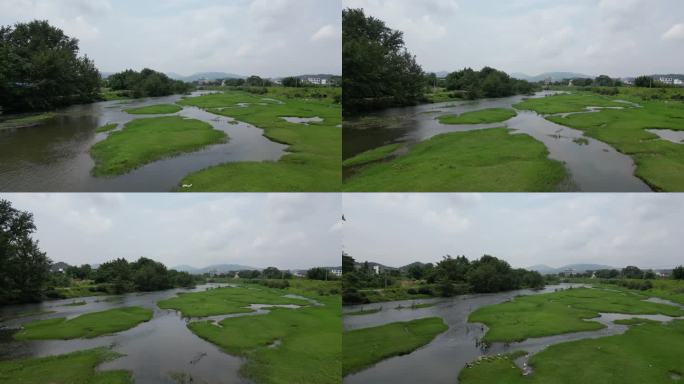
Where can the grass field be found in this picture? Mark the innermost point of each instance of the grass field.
(88, 325)
(362, 348)
(660, 163)
(308, 348)
(560, 312)
(313, 162)
(107, 127)
(144, 141)
(484, 116)
(648, 352)
(575, 102)
(159, 109)
(493, 370)
(74, 368)
(483, 160)
(371, 156)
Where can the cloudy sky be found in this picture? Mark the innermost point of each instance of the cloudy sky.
(615, 37)
(259, 230)
(264, 37)
(524, 229)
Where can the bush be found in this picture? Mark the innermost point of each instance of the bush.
(352, 296)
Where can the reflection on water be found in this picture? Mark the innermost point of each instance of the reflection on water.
(54, 156)
(593, 165)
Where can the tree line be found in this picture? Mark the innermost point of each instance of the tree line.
(449, 277)
(488, 82)
(146, 83)
(40, 69)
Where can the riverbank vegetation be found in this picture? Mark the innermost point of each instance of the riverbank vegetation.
(448, 277)
(486, 83)
(313, 161)
(647, 353)
(41, 69)
(76, 367)
(26, 120)
(379, 72)
(146, 83)
(371, 156)
(659, 162)
(283, 346)
(158, 109)
(365, 347)
(561, 312)
(87, 326)
(484, 116)
(482, 160)
(143, 141)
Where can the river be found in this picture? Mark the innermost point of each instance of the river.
(54, 156)
(594, 166)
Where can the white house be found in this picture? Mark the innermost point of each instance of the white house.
(376, 269)
(678, 82)
(336, 271)
(667, 80)
(316, 80)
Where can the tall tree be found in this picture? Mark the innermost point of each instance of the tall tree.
(378, 69)
(24, 268)
(40, 68)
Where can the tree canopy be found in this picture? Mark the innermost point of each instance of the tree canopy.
(146, 83)
(40, 69)
(378, 70)
(487, 82)
(24, 268)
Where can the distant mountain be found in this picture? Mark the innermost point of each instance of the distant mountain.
(218, 268)
(372, 264)
(408, 266)
(672, 75)
(576, 268)
(204, 75)
(555, 76)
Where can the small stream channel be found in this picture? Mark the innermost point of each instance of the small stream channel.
(153, 350)
(55, 155)
(593, 166)
(441, 360)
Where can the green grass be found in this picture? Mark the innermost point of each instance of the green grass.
(660, 163)
(391, 294)
(159, 109)
(371, 156)
(363, 312)
(313, 161)
(107, 94)
(647, 353)
(560, 312)
(498, 369)
(28, 120)
(490, 160)
(88, 325)
(79, 291)
(575, 102)
(484, 116)
(362, 348)
(107, 127)
(74, 368)
(309, 337)
(144, 141)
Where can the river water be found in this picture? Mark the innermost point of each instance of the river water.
(594, 166)
(54, 156)
(441, 360)
(153, 350)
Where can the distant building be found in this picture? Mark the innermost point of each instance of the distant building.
(571, 83)
(667, 80)
(628, 81)
(316, 80)
(336, 271)
(376, 269)
(548, 81)
(678, 82)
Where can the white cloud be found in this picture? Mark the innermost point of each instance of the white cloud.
(675, 33)
(326, 33)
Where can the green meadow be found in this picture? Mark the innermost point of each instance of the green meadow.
(484, 116)
(284, 346)
(362, 348)
(159, 109)
(88, 325)
(313, 159)
(73, 368)
(660, 163)
(143, 141)
(560, 312)
(373, 155)
(482, 160)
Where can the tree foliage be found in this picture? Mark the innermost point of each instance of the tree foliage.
(643, 81)
(379, 71)
(678, 273)
(40, 69)
(146, 83)
(24, 268)
(488, 82)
